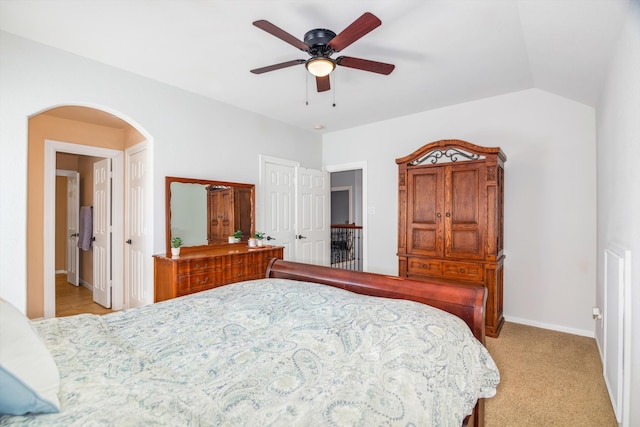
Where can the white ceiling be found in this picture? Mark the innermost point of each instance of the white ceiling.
(445, 51)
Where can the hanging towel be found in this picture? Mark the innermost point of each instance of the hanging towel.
(86, 228)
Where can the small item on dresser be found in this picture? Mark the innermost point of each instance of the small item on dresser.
(176, 242)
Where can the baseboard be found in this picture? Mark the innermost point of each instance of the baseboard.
(552, 327)
(82, 282)
(600, 350)
(86, 285)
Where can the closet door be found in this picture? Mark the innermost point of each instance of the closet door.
(465, 211)
(425, 206)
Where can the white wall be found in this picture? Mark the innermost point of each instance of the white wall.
(550, 195)
(618, 150)
(190, 135)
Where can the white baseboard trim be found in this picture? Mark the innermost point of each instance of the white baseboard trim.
(86, 285)
(600, 351)
(528, 322)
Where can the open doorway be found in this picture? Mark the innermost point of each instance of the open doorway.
(347, 218)
(74, 258)
(95, 133)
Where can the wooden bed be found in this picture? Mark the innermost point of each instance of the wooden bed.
(464, 301)
(281, 350)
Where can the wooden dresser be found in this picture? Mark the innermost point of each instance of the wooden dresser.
(450, 218)
(202, 269)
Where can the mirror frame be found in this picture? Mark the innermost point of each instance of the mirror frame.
(167, 191)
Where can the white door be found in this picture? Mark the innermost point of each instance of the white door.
(136, 230)
(279, 209)
(313, 225)
(73, 211)
(102, 232)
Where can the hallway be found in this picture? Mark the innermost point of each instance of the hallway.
(72, 300)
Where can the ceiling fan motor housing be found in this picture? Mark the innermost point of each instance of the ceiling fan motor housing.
(318, 41)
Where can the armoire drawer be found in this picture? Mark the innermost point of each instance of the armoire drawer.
(445, 269)
(463, 271)
(424, 267)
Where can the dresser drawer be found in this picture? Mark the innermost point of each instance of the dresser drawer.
(190, 283)
(236, 273)
(236, 259)
(463, 271)
(199, 265)
(424, 267)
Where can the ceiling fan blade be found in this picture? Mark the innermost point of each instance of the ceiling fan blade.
(281, 34)
(365, 65)
(278, 66)
(323, 84)
(353, 32)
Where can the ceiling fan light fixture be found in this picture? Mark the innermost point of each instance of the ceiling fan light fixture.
(320, 66)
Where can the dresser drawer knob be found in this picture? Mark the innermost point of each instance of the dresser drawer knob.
(200, 282)
(462, 270)
(200, 268)
(424, 265)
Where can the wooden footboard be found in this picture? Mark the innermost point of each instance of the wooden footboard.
(465, 301)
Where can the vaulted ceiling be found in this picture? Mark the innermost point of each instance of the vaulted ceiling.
(445, 51)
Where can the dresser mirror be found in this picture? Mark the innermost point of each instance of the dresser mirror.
(206, 213)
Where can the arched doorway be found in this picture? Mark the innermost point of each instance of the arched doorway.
(83, 132)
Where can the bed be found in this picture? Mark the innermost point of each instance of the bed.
(365, 350)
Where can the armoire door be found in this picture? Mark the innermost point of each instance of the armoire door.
(464, 213)
(226, 213)
(214, 216)
(220, 206)
(425, 202)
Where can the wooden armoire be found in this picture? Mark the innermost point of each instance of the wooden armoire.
(450, 218)
(228, 209)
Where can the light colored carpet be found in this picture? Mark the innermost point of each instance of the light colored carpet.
(548, 378)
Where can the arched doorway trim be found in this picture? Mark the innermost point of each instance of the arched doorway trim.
(117, 156)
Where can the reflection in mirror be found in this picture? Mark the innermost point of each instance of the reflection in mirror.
(204, 213)
(189, 213)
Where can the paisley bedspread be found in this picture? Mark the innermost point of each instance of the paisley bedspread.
(267, 352)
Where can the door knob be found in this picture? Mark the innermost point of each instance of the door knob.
(128, 242)
(75, 235)
(300, 236)
(271, 238)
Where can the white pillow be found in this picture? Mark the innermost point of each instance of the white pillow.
(29, 376)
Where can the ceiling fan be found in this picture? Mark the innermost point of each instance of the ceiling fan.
(321, 43)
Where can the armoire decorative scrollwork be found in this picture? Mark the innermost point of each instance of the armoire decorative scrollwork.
(450, 218)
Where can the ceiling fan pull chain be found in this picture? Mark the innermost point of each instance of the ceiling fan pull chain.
(333, 86)
(306, 88)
